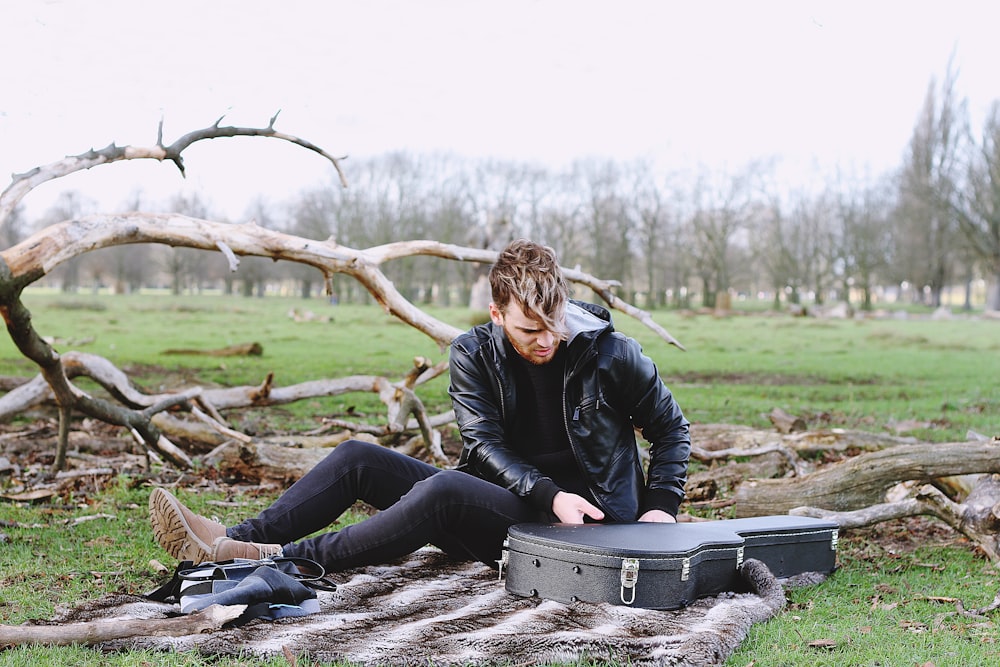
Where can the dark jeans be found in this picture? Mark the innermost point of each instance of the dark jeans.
(464, 516)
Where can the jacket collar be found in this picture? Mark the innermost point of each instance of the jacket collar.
(586, 319)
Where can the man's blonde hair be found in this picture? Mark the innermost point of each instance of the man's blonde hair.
(528, 274)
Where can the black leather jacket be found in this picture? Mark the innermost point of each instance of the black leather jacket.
(610, 389)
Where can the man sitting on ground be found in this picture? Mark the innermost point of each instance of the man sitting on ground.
(547, 398)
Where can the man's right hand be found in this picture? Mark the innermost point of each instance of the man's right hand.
(571, 508)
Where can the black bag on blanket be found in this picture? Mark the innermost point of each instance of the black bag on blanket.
(271, 588)
(659, 565)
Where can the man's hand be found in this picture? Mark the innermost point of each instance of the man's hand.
(657, 516)
(571, 508)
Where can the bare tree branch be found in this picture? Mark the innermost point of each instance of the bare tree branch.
(603, 288)
(39, 254)
(22, 184)
(105, 630)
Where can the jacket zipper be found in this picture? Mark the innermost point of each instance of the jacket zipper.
(569, 434)
(503, 406)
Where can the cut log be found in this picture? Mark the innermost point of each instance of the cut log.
(864, 480)
(281, 460)
(241, 350)
(268, 464)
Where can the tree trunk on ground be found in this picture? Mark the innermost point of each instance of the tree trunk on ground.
(864, 480)
(265, 464)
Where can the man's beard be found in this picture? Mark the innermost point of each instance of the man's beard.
(526, 354)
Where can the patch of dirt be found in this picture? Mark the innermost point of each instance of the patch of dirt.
(888, 546)
(97, 455)
(902, 536)
(163, 378)
(765, 379)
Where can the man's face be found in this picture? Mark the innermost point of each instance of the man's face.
(526, 334)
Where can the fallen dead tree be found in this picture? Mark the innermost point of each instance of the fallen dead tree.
(878, 477)
(958, 483)
(866, 479)
(735, 453)
(35, 257)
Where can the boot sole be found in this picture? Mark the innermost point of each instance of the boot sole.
(172, 531)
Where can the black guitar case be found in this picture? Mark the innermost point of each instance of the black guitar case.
(659, 565)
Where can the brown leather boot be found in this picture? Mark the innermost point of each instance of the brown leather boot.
(225, 548)
(184, 534)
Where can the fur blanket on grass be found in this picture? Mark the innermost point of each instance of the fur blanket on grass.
(427, 610)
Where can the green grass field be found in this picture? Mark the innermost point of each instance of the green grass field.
(884, 605)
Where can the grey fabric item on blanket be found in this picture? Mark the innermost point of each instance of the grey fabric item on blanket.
(427, 609)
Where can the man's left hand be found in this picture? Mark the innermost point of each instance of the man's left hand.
(657, 516)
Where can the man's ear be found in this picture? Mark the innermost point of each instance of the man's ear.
(496, 315)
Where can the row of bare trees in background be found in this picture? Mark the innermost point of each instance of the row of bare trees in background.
(678, 240)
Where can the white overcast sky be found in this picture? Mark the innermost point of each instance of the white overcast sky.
(819, 84)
